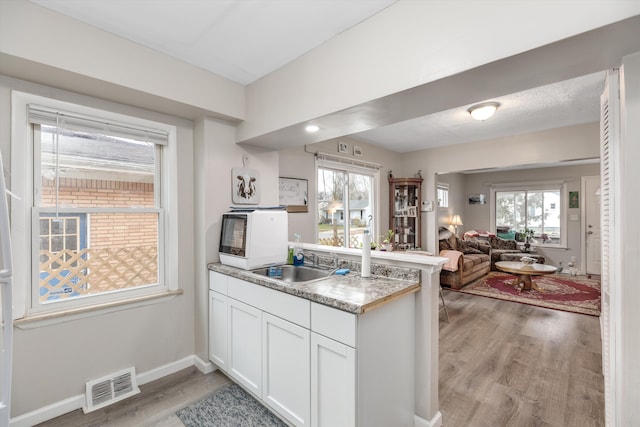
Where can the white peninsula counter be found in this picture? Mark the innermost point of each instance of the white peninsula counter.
(397, 306)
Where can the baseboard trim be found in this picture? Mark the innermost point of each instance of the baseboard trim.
(436, 421)
(204, 366)
(76, 402)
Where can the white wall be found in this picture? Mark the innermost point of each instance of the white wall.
(556, 145)
(216, 153)
(52, 363)
(299, 162)
(457, 202)
(40, 45)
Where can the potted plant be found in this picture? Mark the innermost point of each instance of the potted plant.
(387, 243)
(528, 235)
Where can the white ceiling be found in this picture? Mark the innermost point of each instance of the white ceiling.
(245, 40)
(241, 40)
(567, 103)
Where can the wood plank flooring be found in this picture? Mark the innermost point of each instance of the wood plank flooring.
(501, 364)
(155, 405)
(510, 364)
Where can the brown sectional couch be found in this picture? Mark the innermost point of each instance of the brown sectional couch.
(474, 262)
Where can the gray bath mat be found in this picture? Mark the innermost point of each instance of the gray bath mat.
(230, 406)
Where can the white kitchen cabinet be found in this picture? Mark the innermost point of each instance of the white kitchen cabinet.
(333, 383)
(285, 369)
(316, 365)
(244, 324)
(362, 366)
(218, 329)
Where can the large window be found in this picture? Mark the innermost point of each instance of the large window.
(536, 211)
(98, 205)
(346, 202)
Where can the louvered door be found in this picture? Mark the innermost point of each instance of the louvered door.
(609, 134)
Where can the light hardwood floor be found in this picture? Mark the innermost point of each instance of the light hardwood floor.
(510, 364)
(501, 364)
(155, 405)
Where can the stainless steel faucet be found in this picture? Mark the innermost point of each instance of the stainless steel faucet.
(315, 259)
(334, 257)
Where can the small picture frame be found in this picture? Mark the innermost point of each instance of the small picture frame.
(343, 147)
(412, 211)
(357, 151)
(477, 199)
(574, 200)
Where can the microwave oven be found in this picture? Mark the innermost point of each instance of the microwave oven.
(254, 238)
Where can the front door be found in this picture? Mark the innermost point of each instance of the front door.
(592, 224)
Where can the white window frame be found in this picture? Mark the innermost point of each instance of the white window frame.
(22, 167)
(345, 164)
(533, 186)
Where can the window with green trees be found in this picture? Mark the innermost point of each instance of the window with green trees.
(537, 212)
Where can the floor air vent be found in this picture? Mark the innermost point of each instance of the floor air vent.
(110, 389)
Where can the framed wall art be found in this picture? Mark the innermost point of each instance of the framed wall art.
(574, 200)
(244, 187)
(477, 199)
(294, 194)
(343, 147)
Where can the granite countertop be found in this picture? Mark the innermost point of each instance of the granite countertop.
(350, 293)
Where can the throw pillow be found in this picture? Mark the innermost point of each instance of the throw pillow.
(468, 247)
(444, 233)
(472, 251)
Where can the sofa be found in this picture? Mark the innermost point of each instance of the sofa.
(472, 261)
(501, 246)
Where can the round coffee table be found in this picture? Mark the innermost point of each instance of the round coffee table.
(524, 272)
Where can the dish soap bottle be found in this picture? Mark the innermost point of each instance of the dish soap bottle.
(298, 255)
(290, 255)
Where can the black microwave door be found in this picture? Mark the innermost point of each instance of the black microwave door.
(233, 235)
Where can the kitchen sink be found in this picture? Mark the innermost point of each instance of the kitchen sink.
(292, 274)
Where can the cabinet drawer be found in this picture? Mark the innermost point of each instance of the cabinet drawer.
(218, 282)
(289, 307)
(333, 323)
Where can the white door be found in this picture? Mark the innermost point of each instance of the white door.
(286, 369)
(245, 345)
(218, 329)
(333, 383)
(592, 224)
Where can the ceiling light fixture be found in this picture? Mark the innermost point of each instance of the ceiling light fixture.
(483, 111)
(312, 128)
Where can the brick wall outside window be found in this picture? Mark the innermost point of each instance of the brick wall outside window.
(108, 229)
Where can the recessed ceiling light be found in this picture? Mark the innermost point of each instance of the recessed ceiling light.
(312, 128)
(483, 111)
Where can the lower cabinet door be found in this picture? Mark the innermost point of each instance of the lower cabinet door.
(218, 329)
(285, 371)
(333, 383)
(245, 345)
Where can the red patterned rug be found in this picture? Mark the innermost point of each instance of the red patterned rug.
(576, 294)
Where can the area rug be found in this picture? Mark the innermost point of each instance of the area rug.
(230, 406)
(576, 294)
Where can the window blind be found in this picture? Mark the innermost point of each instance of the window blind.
(53, 117)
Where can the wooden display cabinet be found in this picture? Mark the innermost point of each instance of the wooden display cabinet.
(405, 199)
